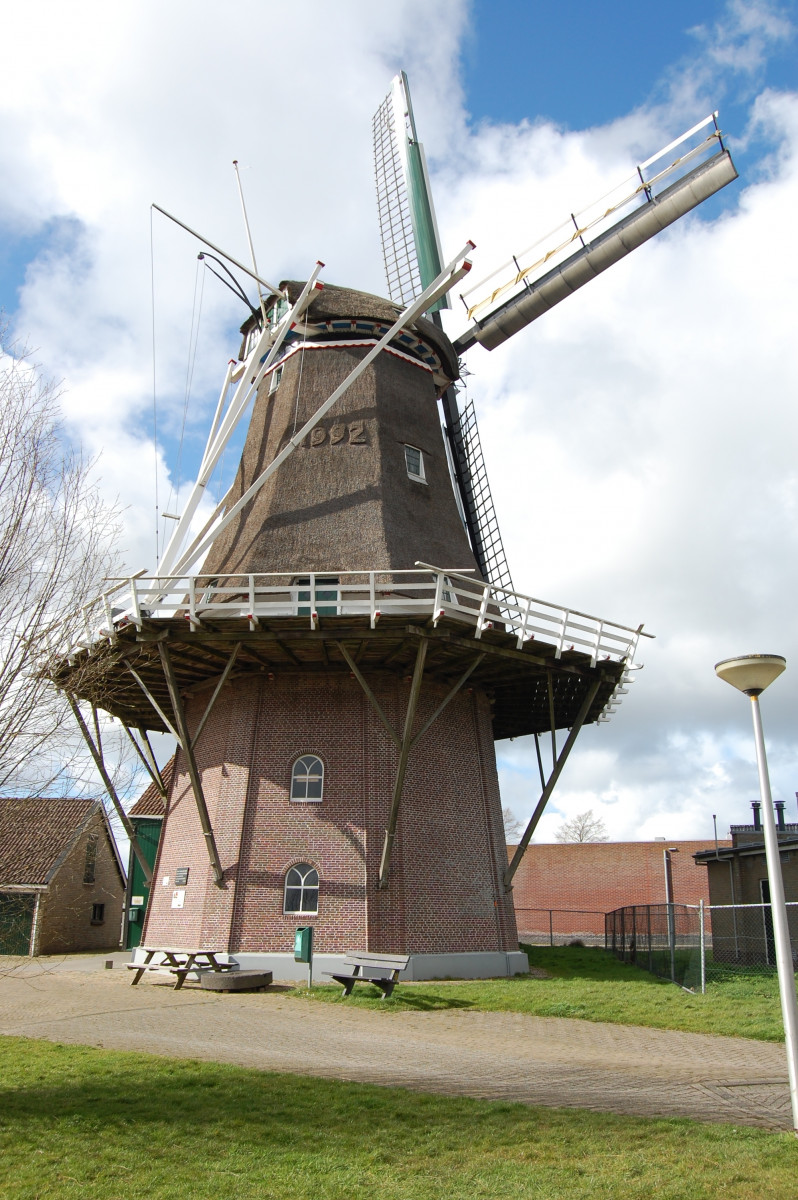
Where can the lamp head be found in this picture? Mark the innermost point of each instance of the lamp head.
(751, 673)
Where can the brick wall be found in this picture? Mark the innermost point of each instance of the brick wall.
(65, 909)
(445, 889)
(601, 876)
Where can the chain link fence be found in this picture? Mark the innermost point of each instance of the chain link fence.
(559, 926)
(693, 945)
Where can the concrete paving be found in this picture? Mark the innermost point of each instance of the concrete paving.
(497, 1056)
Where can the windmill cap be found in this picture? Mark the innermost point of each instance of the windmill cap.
(337, 303)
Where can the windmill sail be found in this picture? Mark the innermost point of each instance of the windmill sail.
(410, 242)
(479, 512)
(412, 254)
(664, 188)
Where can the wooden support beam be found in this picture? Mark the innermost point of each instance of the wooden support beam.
(99, 762)
(540, 760)
(552, 721)
(552, 780)
(150, 767)
(390, 833)
(194, 775)
(151, 698)
(212, 701)
(449, 696)
(372, 699)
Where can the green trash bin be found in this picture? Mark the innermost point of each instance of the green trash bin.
(303, 948)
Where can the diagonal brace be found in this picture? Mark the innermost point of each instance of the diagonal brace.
(372, 699)
(96, 753)
(217, 690)
(552, 780)
(185, 744)
(404, 751)
(150, 764)
(449, 696)
(152, 699)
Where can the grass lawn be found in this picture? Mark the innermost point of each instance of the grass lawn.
(595, 986)
(78, 1123)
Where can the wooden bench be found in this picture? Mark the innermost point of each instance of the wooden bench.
(380, 969)
(179, 963)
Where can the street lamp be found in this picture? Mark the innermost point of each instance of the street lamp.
(751, 674)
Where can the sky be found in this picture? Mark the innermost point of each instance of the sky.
(640, 438)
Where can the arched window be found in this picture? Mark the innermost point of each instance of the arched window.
(301, 889)
(307, 778)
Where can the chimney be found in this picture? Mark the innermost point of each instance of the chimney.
(756, 806)
(779, 807)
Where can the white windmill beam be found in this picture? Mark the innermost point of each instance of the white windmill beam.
(456, 270)
(220, 437)
(205, 241)
(656, 214)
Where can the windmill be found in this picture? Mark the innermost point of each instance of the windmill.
(338, 647)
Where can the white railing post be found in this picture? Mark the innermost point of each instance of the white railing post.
(483, 608)
(599, 631)
(372, 600)
(565, 615)
(109, 617)
(522, 630)
(134, 602)
(251, 595)
(192, 601)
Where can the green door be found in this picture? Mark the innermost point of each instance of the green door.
(148, 833)
(16, 922)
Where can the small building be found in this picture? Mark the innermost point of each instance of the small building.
(146, 817)
(563, 889)
(737, 876)
(62, 882)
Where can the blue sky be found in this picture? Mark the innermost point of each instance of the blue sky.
(640, 440)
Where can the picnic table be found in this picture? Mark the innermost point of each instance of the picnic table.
(177, 962)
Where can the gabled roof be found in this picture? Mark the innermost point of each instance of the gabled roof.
(36, 834)
(151, 803)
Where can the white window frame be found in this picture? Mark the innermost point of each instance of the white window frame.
(274, 380)
(421, 476)
(307, 758)
(302, 887)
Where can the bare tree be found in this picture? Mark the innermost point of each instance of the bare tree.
(584, 827)
(57, 545)
(512, 826)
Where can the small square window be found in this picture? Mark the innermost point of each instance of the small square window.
(97, 914)
(414, 460)
(274, 382)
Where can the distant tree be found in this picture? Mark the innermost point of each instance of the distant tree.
(585, 827)
(512, 826)
(57, 547)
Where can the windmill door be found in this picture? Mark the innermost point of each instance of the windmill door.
(148, 833)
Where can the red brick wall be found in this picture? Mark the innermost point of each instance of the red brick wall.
(600, 876)
(445, 890)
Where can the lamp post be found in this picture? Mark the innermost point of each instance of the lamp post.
(751, 674)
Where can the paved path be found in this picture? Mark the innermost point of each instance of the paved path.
(507, 1056)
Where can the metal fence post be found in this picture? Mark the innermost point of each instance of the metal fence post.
(703, 947)
(650, 958)
(551, 928)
